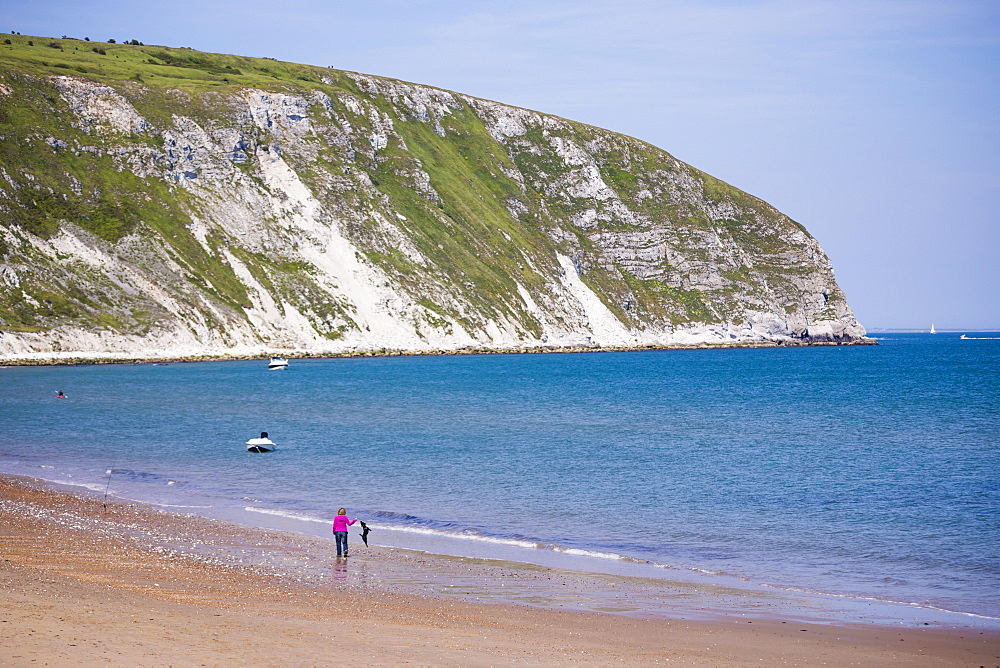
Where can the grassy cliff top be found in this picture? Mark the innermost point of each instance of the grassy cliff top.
(155, 66)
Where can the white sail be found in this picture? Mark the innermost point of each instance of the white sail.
(933, 331)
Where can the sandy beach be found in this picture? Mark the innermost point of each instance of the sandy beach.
(86, 583)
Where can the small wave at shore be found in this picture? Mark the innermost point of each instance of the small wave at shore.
(460, 535)
(287, 515)
(74, 483)
(103, 490)
(882, 600)
(447, 530)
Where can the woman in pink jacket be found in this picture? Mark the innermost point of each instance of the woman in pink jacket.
(340, 524)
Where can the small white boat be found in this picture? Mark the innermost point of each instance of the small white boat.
(933, 331)
(278, 363)
(262, 444)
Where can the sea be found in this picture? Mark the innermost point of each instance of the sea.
(868, 473)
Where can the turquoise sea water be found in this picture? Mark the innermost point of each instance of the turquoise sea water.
(862, 471)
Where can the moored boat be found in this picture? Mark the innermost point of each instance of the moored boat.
(262, 444)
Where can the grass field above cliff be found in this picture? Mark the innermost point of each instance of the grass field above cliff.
(155, 66)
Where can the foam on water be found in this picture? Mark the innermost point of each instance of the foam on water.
(292, 516)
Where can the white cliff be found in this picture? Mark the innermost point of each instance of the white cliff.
(366, 214)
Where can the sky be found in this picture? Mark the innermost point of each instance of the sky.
(874, 123)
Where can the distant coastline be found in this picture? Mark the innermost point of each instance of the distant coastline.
(72, 359)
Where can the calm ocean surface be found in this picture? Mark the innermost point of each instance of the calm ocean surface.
(864, 471)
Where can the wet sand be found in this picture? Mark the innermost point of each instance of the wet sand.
(85, 584)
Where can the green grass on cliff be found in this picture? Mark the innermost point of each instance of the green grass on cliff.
(156, 66)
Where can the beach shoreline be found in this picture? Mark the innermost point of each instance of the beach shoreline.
(489, 571)
(90, 583)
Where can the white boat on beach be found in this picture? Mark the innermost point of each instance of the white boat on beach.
(277, 363)
(262, 444)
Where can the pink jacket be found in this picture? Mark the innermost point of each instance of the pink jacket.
(340, 522)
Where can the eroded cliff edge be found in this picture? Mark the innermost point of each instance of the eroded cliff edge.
(233, 205)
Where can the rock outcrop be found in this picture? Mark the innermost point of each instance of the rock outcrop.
(338, 212)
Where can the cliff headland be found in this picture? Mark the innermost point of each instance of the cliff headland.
(167, 203)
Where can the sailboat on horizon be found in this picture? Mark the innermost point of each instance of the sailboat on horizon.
(933, 331)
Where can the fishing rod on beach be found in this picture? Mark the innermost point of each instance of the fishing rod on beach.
(111, 472)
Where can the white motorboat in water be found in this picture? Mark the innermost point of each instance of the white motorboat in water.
(278, 363)
(262, 444)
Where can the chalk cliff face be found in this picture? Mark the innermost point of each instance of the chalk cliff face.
(335, 212)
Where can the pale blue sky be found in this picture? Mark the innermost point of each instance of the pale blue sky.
(874, 123)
